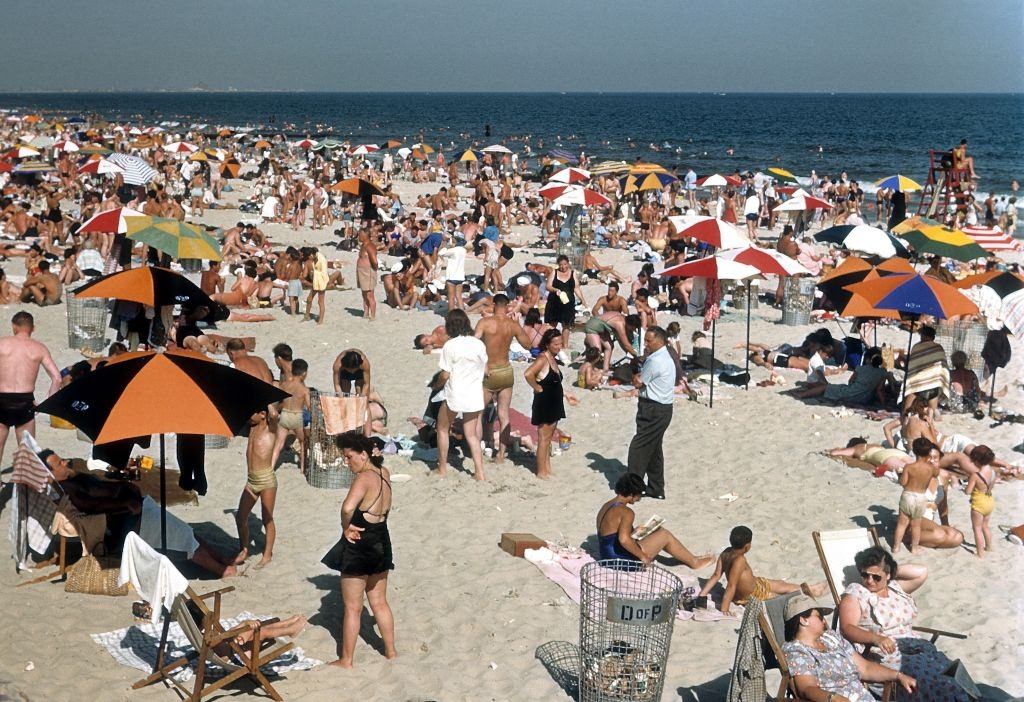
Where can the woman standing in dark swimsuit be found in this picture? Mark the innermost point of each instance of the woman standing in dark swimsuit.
(363, 553)
(563, 289)
(545, 378)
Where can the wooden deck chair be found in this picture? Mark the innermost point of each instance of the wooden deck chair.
(836, 551)
(202, 627)
(772, 627)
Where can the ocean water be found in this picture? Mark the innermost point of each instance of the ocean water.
(869, 136)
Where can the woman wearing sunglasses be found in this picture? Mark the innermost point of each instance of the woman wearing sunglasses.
(877, 616)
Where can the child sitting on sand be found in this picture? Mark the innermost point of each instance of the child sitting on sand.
(965, 391)
(591, 373)
(741, 583)
(979, 487)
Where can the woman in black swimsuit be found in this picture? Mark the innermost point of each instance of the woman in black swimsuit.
(363, 553)
(545, 378)
(563, 289)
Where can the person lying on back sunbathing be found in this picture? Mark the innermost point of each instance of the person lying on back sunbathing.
(741, 583)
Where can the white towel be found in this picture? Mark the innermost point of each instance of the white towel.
(152, 575)
(180, 536)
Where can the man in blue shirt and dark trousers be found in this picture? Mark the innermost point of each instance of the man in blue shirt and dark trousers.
(656, 381)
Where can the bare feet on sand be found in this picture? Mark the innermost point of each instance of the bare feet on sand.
(242, 555)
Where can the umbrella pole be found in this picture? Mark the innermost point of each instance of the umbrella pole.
(906, 372)
(163, 499)
(711, 394)
(746, 385)
(992, 393)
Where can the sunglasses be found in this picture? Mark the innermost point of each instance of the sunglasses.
(876, 577)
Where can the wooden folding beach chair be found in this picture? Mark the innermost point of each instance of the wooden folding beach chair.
(772, 625)
(836, 551)
(205, 633)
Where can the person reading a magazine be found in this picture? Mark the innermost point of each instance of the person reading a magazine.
(741, 583)
(618, 538)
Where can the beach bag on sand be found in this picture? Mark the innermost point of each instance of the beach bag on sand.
(95, 576)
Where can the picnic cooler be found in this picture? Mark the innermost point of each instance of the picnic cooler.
(627, 612)
(797, 300)
(325, 465)
(87, 322)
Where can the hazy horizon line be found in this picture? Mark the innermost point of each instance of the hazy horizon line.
(229, 91)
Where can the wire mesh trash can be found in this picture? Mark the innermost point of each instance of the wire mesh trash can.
(87, 322)
(797, 300)
(627, 612)
(966, 336)
(325, 464)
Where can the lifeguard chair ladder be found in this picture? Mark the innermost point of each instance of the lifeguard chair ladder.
(943, 184)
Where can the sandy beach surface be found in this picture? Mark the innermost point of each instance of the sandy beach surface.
(469, 617)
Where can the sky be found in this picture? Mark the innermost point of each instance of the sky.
(515, 45)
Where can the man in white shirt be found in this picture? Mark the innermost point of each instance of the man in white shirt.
(751, 213)
(690, 181)
(656, 382)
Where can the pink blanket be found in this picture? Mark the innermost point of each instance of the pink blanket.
(565, 572)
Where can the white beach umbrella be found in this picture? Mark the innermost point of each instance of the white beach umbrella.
(66, 146)
(496, 149)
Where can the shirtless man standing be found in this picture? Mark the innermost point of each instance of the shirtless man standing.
(20, 359)
(496, 332)
(611, 302)
(260, 485)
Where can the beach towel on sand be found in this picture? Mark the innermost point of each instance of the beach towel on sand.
(343, 414)
(136, 647)
(565, 572)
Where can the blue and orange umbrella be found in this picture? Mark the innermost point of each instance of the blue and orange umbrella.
(914, 294)
(646, 181)
(900, 183)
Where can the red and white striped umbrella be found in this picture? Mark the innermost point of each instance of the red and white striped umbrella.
(992, 239)
(180, 147)
(713, 181)
(573, 195)
(717, 267)
(716, 232)
(22, 152)
(66, 146)
(570, 175)
(109, 222)
(364, 149)
(767, 261)
(99, 166)
(305, 144)
(800, 202)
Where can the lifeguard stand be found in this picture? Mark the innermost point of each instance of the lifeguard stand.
(944, 185)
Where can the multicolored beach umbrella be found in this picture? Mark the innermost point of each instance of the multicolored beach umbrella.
(1003, 283)
(608, 167)
(912, 223)
(915, 294)
(861, 237)
(561, 194)
(570, 175)
(647, 181)
(148, 285)
(469, 155)
(900, 183)
(177, 239)
(109, 222)
(939, 241)
(363, 149)
(357, 186)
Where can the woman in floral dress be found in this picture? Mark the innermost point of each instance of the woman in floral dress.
(877, 616)
(824, 666)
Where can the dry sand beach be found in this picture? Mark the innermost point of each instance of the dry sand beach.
(469, 617)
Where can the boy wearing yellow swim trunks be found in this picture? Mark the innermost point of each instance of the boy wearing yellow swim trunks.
(741, 583)
(261, 484)
(979, 487)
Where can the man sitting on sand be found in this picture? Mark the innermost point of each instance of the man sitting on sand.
(125, 509)
(43, 288)
(741, 583)
(615, 530)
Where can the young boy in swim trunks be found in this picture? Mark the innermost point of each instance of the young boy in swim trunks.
(261, 484)
(741, 583)
(294, 412)
(915, 479)
(979, 487)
